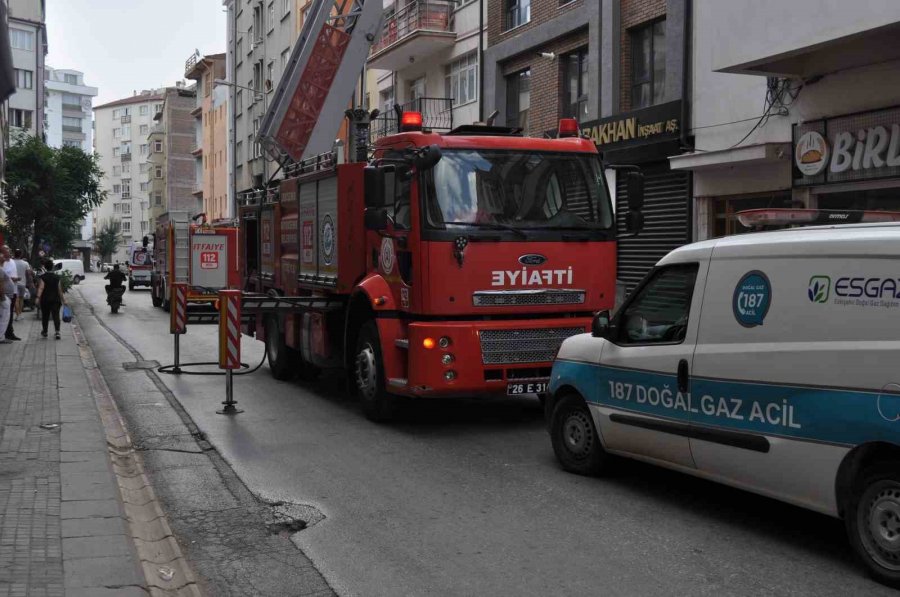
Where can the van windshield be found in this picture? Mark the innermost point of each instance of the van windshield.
(510, 189)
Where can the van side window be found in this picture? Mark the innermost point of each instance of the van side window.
(659, 312)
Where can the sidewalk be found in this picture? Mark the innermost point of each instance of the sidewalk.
(63, 529)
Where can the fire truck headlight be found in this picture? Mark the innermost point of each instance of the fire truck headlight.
(444, 342)
(447, 358)
(428, 343)
(450, 375)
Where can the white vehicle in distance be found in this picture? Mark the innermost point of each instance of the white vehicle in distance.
(75, 266)
(766, 361)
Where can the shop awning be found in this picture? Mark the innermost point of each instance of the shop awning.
(751, 154)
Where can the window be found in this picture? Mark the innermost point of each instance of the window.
(157, 108)
(126, 187)
(126, 208)
(239, 152)
(126, 111)
(24, 79)
(126, 131)
(575, 81)
(461, 79)
(71, 123)
(144, 225)
(126, 167)
(145, 186)
(157, 198)
(285, 8)
(70, 79)
(117, 207)
(145, 149)
(239, 51)
(158, 172)
(117, 133)
(145, 129)
(21, 118)
(116, 114)
(270, 76)
(659, 312)
(144, 110)
(256, 84)
(117, 170)
(126, 226)
(238, 101)
(648, 65)
(518, 12)
(117, 188)
(21, 40)
(284, 60)
(157, 146)
(518, 98)
(117, 151)
(416, 89)
(71, 143)
(126, 148)
(144, 168)
(270, 22)
(70, 99)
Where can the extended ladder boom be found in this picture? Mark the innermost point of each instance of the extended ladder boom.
(318, 83)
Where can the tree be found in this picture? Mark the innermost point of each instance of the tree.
(107, 239)
(50, 191)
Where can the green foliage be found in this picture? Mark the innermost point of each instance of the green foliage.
(49, 193)
(107, 240)
(65, 280)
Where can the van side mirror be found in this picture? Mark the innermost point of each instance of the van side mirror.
(635, 184)
(376, 219)
(600, 326)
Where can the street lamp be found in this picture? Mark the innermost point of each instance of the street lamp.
(257, 96)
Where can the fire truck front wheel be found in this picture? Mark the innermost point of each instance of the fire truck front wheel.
(368, 372)
(282, 358)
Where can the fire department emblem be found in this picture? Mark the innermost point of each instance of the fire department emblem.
(387, 255)
(327, 239)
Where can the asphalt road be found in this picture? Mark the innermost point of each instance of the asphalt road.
(465, 497)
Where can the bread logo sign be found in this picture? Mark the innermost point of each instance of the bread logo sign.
(811, 153)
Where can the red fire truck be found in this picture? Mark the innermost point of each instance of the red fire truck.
(446, 265)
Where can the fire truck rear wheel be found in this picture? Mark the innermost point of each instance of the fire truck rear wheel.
(282, 358)
(368, 372)
(157, 301)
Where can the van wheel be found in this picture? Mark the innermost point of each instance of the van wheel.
(574, 437)
(368, 372)
(281, 357)
(873, 521)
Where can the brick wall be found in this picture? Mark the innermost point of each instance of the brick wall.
(546, 80)
(632, 14)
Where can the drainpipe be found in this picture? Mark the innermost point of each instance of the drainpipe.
(233, 207)
(480, 60)
(685, 73)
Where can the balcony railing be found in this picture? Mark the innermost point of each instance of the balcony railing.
(429, 15)
(126, 157)
(126, 119)
(437, 115)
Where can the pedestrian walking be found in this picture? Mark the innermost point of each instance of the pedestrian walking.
(6, 285)
(50, 298)
(22, 269)
(10, 268)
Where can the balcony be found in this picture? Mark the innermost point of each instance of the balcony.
(126, 157)
(437, 115)
(417, 30)
(126, 119)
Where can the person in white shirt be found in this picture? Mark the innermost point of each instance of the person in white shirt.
(22, 268)
(12, 271)
(6, 286)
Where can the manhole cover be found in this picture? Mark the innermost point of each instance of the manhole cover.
(138, 365)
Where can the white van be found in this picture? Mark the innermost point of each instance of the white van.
(75, 266)
(767, 361)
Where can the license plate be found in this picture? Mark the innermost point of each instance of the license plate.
(531, 387)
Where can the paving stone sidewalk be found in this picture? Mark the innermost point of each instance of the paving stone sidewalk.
(62, 526)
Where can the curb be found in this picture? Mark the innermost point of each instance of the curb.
(165, 568)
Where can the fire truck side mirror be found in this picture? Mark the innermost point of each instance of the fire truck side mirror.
(379, 184)
(635, 185)
(376, 219)
(427, 158)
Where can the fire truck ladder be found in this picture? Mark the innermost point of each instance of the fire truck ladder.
(181, 232)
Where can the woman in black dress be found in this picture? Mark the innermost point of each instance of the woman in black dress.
(51, 298)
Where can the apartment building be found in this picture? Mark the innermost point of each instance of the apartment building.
(428, 60)
(172, 141)
(28, 40)
(618, 67)
(122, 128)
(210, 149)
(68, 117)
(795, 106)
(260, 37)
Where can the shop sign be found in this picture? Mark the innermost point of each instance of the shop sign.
(849, 148)
(648, 125)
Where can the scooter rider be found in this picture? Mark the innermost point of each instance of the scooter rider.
(116, 279)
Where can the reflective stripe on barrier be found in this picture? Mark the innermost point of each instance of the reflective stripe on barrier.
(229, 329)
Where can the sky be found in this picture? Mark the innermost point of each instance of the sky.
(127, 45)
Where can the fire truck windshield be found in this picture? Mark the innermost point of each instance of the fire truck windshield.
(503, 189)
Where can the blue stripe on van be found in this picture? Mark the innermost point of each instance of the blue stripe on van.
(838, 416)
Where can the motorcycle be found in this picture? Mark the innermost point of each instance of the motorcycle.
(114, 297)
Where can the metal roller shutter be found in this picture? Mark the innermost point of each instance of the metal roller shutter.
(666, 221)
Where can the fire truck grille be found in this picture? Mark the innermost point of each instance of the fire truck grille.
(515, 298)
(523, 346)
